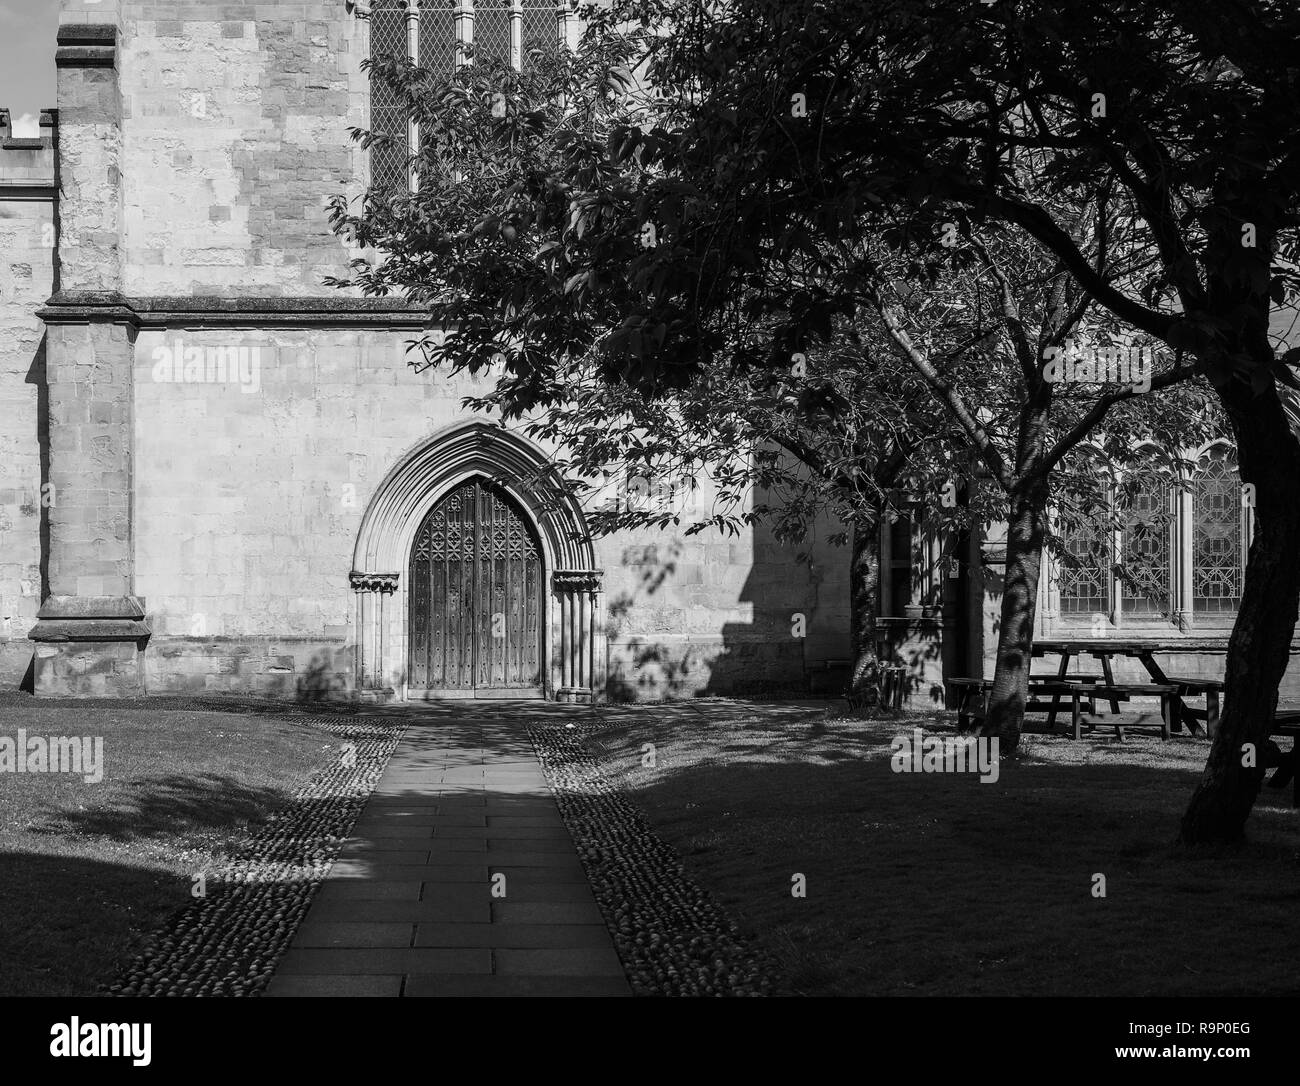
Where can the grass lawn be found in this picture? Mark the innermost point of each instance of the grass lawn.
(936, 884)
(88, 869)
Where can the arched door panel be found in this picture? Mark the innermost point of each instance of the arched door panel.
(475, 618)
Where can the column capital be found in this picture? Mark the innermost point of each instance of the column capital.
(577, 580)
(374, 582)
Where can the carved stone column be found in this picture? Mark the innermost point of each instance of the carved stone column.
(372, 670)
(579, 637)
(567, 25)
(463, 14)
(412, 128)
(516, 34)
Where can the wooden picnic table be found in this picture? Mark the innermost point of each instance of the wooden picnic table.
(1104, 649)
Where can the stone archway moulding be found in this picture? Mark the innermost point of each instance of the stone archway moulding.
(572, 621)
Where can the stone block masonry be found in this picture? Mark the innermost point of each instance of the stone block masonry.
(201, 428)
(27, 263)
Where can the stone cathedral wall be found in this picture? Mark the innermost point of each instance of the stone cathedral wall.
(196, 170)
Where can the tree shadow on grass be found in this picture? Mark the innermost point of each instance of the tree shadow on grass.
(69, 919)
(937, 884)
(168, 806)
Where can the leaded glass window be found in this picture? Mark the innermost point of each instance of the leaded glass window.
(388, 162)
(492, 20)
(1201, 520)
(1085, 566)
(438, 38)
(492, 30)
(1218, 538)
(540, 29)
(1146, 567)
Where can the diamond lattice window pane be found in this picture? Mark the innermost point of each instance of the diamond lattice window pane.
(438, 38)
(541, 29)
(491, 30)
(388, 163)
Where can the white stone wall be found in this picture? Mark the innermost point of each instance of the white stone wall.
(26, 263)
(236, 122)
(249, 495)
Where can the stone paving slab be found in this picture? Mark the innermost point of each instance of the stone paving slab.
(535, 845)
(523, 891)
(454, 870)
(498, 985)
(594, 962)
(471, 911)
(335, 986)
(371, 960)
(365, 890)
(431, 818)
(364, 851)
(516, 857)
(505, 833)
(412, 905)
(365, 845)
(319, 933)
(458, 844)
(390, 836)
(546, 912)
(498, 936)
(537, 876)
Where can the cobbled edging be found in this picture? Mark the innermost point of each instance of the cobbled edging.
(228, 942)
(670, 936)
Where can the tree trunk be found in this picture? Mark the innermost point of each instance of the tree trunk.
(1259, 648)
(864, 586)
(1025, 532)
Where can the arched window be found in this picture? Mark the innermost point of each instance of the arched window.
(438, 38)
(492, 30)
(1219, 532)
(1086, 561)
(1146, 565)
(1179, 551)
(388, 38)
(1085, 569)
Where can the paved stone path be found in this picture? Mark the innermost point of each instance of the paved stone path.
(409, 909)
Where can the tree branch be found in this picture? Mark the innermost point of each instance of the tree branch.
(1041, 226)
(1098, 411)
(946, 394)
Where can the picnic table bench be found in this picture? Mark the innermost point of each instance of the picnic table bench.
(1287, 722)
(973, 694)
(1174, 711)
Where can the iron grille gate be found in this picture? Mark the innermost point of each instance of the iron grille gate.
(475, 599)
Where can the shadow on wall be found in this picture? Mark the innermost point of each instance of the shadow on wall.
(932, 639)
(757, 659)
(917, 655)
(326, 678)
(38, 375)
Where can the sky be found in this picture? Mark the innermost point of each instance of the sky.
(27, 32)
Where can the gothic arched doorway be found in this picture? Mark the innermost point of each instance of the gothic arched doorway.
(475, 603)
(571, 636)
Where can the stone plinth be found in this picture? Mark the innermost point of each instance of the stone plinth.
(90, 646)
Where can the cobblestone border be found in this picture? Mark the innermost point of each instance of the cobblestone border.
(228, 942)
(671, 937)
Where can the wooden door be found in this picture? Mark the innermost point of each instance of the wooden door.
(475, 619)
